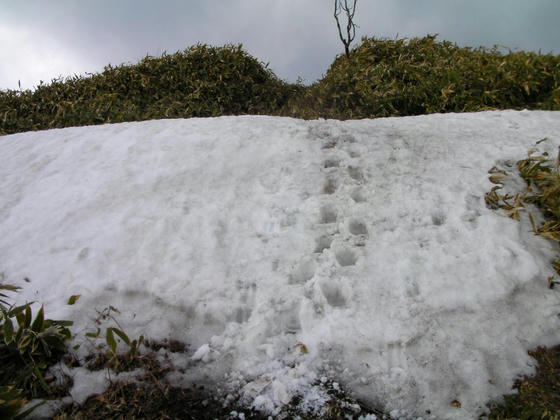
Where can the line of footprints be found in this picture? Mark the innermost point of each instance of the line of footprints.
(345, 244)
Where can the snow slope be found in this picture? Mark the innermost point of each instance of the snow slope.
(285, 251)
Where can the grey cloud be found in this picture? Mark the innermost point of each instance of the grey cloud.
(297, 37)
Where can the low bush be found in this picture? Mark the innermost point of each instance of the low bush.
(381, 78)
(28, 347)
(421, 76)
(201, 81)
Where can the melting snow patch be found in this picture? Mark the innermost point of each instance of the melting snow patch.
(286, 250)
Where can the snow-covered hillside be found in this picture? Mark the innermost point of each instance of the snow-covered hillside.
(286, 251)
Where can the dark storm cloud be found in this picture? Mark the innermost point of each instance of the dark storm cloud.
(44, 39)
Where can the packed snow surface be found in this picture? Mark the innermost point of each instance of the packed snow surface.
(286, 251)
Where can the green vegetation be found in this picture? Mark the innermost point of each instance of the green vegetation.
(421, 76)
(28, 347)
(543, 179)
(381, 78)
(112, 357)
(202, 81)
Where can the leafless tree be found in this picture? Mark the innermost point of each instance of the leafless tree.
(349, 8)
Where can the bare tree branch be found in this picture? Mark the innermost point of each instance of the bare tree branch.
(339, 7)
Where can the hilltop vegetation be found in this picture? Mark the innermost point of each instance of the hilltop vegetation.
(201, 81)
(382, 78)
(422, 76)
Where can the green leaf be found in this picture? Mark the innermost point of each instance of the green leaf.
(39, 320)
(27, 318)
(122, 335)
(8, 331)
(41, 380)
(73, 299)
(19, 310)
(110, 338)
(19, 334)
(47, 346)
(95, 334)
(9, 287)
(24, 343)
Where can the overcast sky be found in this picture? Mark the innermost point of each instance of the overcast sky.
(41, 39)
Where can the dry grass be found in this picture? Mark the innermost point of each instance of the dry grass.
(538, 396)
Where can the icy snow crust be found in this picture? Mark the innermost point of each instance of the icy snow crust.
(286, 251)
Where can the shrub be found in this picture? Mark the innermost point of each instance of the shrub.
(28, 347)
(381, 78)
(421, 76)
(201, 81)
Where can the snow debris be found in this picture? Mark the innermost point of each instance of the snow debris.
(368, 417)
(204, 353)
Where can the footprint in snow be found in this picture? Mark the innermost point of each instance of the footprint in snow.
(356, 173)
(358, 195)
(328, 214)
(84, 253)
(346, 257)
(357, 227)
(333, 293)
(322, 243)
(346, 138)
(329, 144)
(303, 271)
(331, 163)
(438, 218)
(330, 186)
